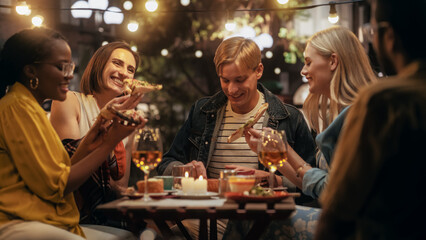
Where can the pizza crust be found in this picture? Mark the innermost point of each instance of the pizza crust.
(133, 86)
(250, 123)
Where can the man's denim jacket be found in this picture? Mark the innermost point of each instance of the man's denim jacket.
(197, 137)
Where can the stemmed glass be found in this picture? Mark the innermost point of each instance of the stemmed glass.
(147, 152)
(272, 151)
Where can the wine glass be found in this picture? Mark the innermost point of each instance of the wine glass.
(272, 151)
(147, 152)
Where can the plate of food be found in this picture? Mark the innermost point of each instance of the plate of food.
(206, 195)
(257, 195)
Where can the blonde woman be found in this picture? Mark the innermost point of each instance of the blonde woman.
(336, 67)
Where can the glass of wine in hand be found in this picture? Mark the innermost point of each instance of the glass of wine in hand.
(272, 151)
(147, 151)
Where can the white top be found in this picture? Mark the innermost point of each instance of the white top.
(237, 152)
(89, 110)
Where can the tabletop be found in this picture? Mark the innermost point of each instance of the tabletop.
(136, 211)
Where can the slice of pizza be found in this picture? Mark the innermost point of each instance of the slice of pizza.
(133, 86)
(253, 120)
(132, 116)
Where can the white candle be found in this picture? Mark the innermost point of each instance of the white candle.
(200, 186)
(187, 184)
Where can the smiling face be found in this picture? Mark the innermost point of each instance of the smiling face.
(121, 65)
(318, 71)
(52, 83)
(240, 86)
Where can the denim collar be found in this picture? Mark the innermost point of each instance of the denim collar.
(276, 109)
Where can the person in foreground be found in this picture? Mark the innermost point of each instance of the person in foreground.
(335, 73)
(202, 140)
(37, 177)
(101, 82)
(379, 169)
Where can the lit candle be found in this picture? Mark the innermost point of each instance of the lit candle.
(200, 186)
(187, 184)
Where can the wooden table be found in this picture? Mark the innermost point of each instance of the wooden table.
(261, 213)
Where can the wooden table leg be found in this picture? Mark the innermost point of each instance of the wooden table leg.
(203, 228)
(213, 229)
(183, 230)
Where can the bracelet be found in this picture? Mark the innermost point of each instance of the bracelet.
(301, 168)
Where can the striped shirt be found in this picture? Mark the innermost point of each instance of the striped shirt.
(237, 152)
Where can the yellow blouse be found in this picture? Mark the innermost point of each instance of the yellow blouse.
(34, 165)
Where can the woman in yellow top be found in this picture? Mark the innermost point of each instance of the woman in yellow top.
(37, 177)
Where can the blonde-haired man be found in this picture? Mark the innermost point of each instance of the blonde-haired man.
(202, 139)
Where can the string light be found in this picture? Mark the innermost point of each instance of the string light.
(164, 52)
(333, 17)
(134, 48)
(151, 5)
(37, 20)
(282, 1)
(269, 54)
(113, 16)
(22, 8)
(81, 13)
(198, 54)
(104, 43)
(185, 2)
(133, 26)
(128, 5)
(98, 4)
(277, 70)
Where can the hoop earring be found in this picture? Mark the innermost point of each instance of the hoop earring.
(33, 85)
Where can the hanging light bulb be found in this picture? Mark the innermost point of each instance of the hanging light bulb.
(23, 9)
(282, 1)
(198, 54)
(133, 26)
(151, 5)
(269, 54)
(81, 13)
(113, 16)
(98, 4)
(164, 52)
(128, 5)
(185, 2)
(333, 17)
(37, 20)
(277, 70)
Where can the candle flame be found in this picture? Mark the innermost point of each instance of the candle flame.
(186, 174)
(200, 178)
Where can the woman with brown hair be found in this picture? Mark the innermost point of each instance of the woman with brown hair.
(101, 82)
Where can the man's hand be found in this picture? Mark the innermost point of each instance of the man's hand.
(199, 168)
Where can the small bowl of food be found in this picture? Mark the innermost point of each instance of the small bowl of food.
(241, 183)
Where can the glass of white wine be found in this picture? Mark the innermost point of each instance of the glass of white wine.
(272, 151)
(147, 152)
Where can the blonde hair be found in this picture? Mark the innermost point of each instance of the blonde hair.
(241, 51)
(352, 73)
